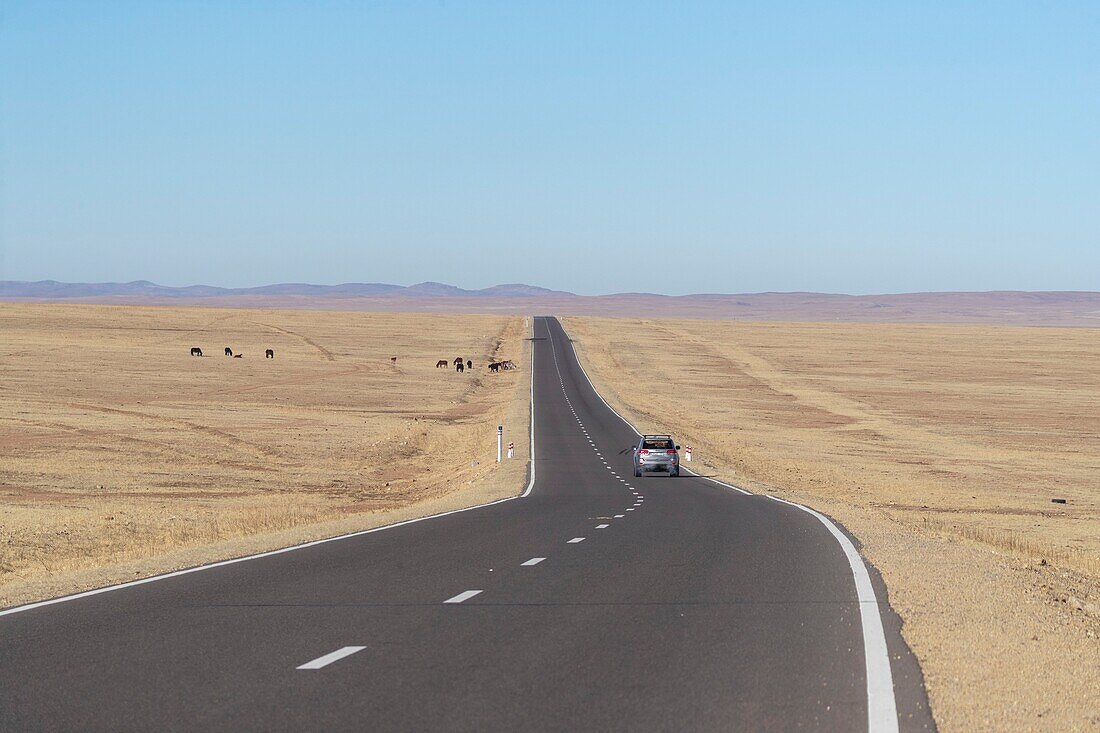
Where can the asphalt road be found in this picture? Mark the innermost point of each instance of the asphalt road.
(596, 602)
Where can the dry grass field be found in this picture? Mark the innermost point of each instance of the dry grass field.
(122, 455)
(941, 448)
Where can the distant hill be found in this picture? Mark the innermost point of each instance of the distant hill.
(998, 307)
(52, 289)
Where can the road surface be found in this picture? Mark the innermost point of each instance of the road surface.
(596, 601)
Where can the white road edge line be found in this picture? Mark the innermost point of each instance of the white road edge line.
(235, 560)
(331, 657)
(882, 711)
(532, 561)
(302, 546)
(531, 459)
(463, 596)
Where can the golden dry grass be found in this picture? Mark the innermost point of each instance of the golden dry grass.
(116, 445)
(941, 448)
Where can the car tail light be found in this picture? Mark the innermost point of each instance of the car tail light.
(644, 452)
(672, 452)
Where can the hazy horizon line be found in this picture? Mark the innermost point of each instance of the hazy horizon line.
(502, 286)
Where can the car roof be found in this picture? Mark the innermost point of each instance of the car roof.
(647, 437)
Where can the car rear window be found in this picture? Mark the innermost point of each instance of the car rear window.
(659, 444)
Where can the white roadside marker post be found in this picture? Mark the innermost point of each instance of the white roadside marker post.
(511, 449)
(500, 440)
(687, 454)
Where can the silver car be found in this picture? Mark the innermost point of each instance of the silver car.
(656, 453)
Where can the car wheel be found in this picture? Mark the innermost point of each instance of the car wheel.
(674, 474)
(637, 473)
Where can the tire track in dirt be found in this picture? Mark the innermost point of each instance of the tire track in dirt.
(148, 442)
(312, 379)
(324, 352)
(898, 429)
(227, 437)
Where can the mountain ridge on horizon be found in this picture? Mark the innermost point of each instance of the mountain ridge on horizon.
(60, 289)
(49, 289)
(996, 307)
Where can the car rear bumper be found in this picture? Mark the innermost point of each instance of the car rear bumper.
(658, 466)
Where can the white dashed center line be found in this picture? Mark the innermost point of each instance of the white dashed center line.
(602, 526)
(619, 516)
(463, 596)
(331, 657)
(575, 540)
(533, 561)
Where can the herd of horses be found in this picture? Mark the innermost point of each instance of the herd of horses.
(460, 365)
(196, 351)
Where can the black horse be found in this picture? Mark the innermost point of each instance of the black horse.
(269, 354)
(228, 351)
(196, 351)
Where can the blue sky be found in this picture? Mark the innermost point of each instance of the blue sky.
(593, 147)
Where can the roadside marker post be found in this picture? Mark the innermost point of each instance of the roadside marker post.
(500, 439)
(687, 454)
(511, 449)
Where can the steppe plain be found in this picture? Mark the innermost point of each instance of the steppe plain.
(940, 448)
(121, 455)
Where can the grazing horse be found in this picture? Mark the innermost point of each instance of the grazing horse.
(507, 364)
(494, 366)
(238, 356)
(228, 351)
(393, 359)
(269, 354)
(457, 361)
(442, 363)
(469, 364)
(196, 351)
(460, 367)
